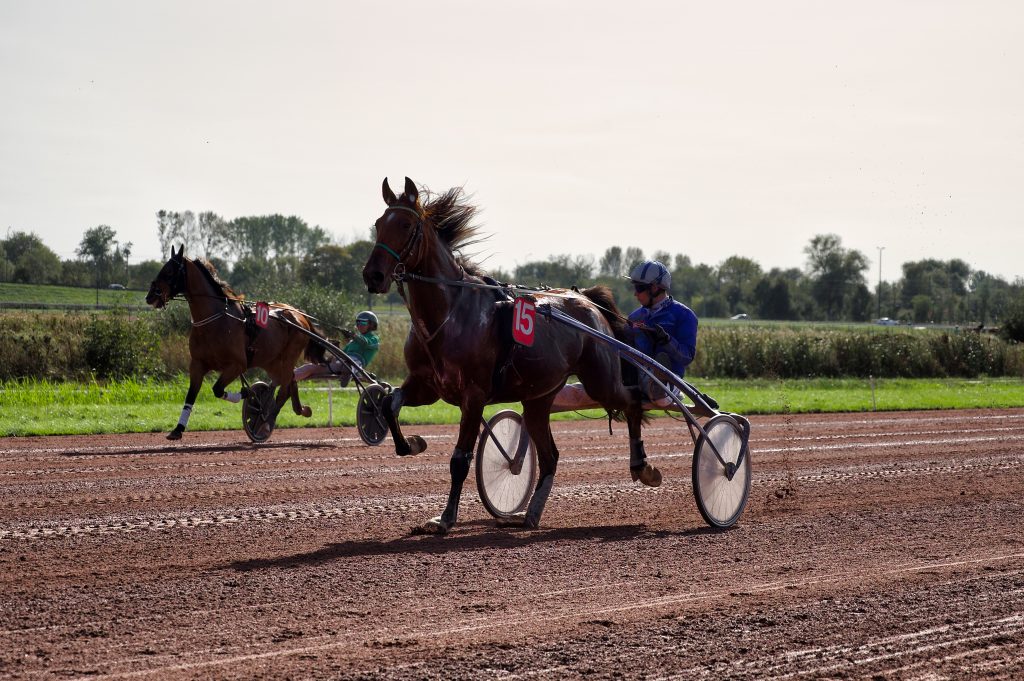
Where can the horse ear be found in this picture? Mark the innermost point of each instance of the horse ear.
(411, 191)
(389, 196)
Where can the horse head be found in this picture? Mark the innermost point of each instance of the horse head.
(399, 232)
(170, 281)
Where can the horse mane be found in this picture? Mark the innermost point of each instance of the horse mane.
(211, 274)
(452, 216)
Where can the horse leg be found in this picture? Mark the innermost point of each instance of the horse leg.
(298, 407)
(613, 396)
(223, 381)
(537, 417)
(639, 468)
(414, 392)
(196, 371)
(462, 457)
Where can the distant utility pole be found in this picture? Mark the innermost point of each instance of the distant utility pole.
(880, 249)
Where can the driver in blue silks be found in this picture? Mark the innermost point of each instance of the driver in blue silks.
(666, 330)
(662, 327)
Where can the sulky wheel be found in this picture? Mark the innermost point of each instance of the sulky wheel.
(721, 491)
(370, 415)
(258, 409)
(506, 465)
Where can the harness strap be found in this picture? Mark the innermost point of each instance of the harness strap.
(388, 249)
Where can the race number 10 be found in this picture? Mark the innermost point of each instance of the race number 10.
(262, 314)
(524, 321)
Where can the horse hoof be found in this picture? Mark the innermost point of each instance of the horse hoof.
(647, 474)
(415, 443)
(174, 434)
(307, 411)
(514, 520)
(433, 526)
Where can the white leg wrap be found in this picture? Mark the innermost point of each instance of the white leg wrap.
(233, 398)
(186, 411)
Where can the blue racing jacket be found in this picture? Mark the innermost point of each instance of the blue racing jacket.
(678, 321)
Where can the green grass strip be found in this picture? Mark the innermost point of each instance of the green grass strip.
(50, 408)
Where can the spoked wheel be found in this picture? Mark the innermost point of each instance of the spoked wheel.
(370, 415)
(721, 497)
(506, 465)
(258, 412)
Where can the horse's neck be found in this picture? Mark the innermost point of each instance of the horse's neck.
(431, 305)
(203, 299)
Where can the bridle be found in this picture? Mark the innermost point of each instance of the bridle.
(413, 238)
(176, 286)
(176, 283)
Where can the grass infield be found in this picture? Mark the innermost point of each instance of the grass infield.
(46, 408)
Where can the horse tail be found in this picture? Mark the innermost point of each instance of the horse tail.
(601, 296)
(315, 351)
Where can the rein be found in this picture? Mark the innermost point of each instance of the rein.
(401, 276)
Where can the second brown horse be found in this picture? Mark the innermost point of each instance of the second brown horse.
(219, 341)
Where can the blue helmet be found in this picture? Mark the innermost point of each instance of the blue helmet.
(652, 273)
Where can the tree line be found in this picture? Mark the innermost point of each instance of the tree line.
(263, 254)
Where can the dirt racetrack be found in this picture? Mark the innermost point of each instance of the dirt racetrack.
(874, 546)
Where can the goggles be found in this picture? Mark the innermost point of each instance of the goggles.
(362, 322)
(640, 287)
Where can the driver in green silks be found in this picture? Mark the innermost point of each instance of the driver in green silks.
(362, 347)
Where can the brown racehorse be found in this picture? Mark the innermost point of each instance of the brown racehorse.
(460, 347)
(218, 340)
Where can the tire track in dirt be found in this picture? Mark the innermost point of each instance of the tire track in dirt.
(385, 505)
(825, 659)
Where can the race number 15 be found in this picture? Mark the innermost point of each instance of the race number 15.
(262, 314)
(523, 321)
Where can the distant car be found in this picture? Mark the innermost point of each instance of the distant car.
(739, 316)
(885, 321)
(116, 287)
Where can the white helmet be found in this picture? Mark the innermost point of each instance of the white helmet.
(652, 273)
(369, 318)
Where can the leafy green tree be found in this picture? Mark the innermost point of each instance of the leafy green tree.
(212, 236)
(178, 229)
(327, 266)
(610, 264)
(773, 299)
(945, 282)
(632, 257)
(98, 245)
(921, 305)
(1012, 328)
(738, 276)
(28, 260)
(558, 271)
(834, 271)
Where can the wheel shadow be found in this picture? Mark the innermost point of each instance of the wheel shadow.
(483, 535)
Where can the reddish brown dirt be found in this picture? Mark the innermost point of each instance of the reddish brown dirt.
(874, 545)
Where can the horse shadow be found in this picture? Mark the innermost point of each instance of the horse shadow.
(486, 535)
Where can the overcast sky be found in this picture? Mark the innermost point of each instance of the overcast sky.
(710, 129)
